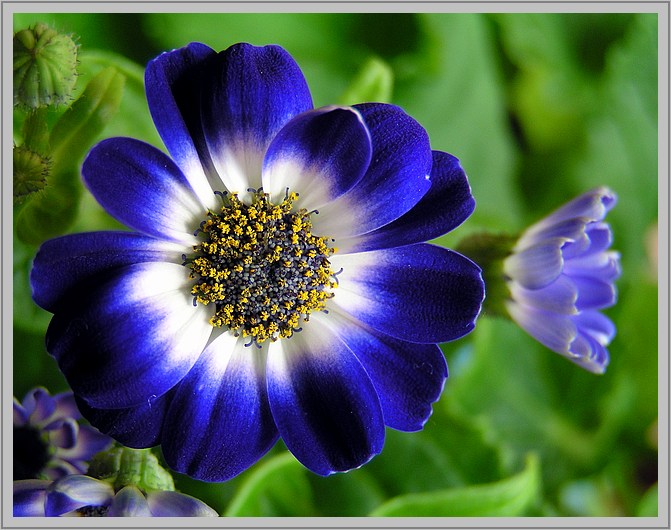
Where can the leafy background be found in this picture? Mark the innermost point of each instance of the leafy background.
(539, 108)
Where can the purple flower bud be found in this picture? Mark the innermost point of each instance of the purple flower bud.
(561, 275)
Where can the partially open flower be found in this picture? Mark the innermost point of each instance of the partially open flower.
(49, 441)
(560, 275)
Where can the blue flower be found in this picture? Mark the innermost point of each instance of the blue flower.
(276, 281)
(49, 442)
(84, 496)
(560, 275)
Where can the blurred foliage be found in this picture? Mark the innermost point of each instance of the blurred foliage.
(539, 108)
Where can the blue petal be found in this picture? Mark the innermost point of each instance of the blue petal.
(593, 293)
(132, 338)
(536, 266)
(136, 427)
(417, 293)
(590, 206)
(588, 353)
(175, 504)
(77, 260)
(446, 205)
(66, 406)
(602, 265)
(39, 405)
(29, 497)
(173, 82)
(397, 178)
(63, 433)
(408, 377)
(129, 502)
(554, 330)
(558, 297)
(219, 422)
(76, 491)
(142, 188)
(89, 442)
(323, 402)
(320, 154)
(596, 325)
(250, 94)
(20, 416)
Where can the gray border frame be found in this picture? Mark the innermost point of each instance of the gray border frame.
(9, 7)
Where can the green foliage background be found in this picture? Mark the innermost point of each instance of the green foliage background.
(539, 108)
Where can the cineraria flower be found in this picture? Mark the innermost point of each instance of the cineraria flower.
(560, 275)
(138, 488)
(48, 440)
(276, 282)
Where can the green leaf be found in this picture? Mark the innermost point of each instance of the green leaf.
(319, 42)
(75, 131)
(54, 210)
(510, 497)
(373, 82)
(463, 108)
(277, 488)
(133, 118)
(351, 494)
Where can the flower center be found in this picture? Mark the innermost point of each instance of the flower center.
(31, 453)
(261, 267)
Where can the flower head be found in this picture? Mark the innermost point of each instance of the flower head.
(276, 281)
(133, 486)
(49, 441)
(560, 275)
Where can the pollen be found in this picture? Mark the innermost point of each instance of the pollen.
(261, 266)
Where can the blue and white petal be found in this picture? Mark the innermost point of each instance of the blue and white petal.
(129, 502)
(321, 154)
(250, 94)
(74, 492)
(397, 178)
(417, 293)
(76, 261)
(29, 497)
(323, 402)
(142, 188)
(175, 504)
(446, 205)
(140, 327)
(229, 426)
(408, 378)
(173, 83)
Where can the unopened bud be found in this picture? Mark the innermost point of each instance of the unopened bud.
(30, 172)
(45, 67)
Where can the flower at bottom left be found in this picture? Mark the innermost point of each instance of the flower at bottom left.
(49, 441)
(122, 482)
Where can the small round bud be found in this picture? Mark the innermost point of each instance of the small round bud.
(30, 172)
(45, 67)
